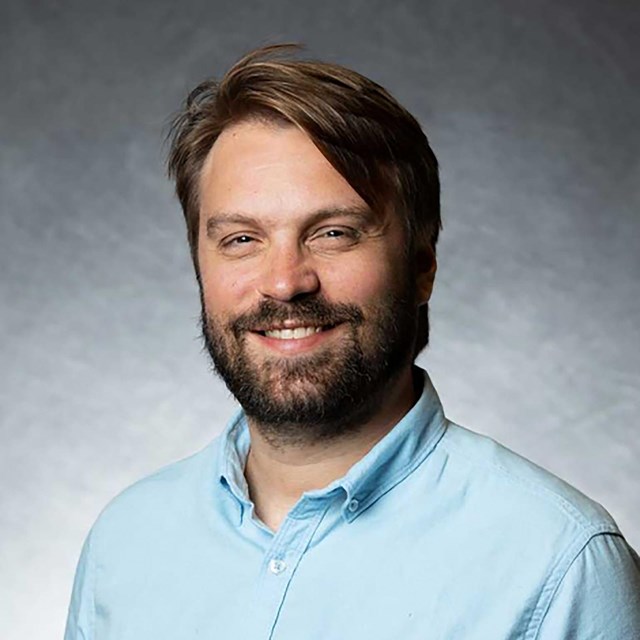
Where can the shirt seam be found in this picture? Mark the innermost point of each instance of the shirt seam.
(556, 578)
(562, 503)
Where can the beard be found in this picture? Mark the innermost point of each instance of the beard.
(319, 396)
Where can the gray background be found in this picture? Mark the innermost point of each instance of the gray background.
(532, 108)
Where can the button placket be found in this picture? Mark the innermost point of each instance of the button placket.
(287, 549)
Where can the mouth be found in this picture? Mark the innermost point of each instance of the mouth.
(294, 338)
(291, 331)
(296, 333)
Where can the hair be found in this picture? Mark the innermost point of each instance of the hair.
(366, 135)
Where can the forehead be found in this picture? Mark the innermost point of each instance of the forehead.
(266, 169)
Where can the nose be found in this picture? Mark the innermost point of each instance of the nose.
(288, 273)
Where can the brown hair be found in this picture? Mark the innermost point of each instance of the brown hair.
(370, 139)
(367, 136)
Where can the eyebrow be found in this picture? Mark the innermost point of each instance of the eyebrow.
(222, 218)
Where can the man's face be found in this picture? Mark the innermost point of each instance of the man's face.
(309, 310)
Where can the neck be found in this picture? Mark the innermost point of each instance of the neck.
(278, 475)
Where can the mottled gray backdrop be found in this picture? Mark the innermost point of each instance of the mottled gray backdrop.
(533, 110)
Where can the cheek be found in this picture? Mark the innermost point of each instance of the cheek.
(227, 292)
(362, 282)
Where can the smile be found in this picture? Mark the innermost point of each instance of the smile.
(292, 334)
(294, 340)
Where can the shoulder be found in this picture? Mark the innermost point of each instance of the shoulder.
(597, 597)
(158, 501)
(146, 526)
(516, 515)
(511, 486)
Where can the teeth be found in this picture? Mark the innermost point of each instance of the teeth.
(292, 334)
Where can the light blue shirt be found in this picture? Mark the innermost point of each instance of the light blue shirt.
(437, 533)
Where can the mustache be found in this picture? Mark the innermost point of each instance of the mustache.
(311, 311)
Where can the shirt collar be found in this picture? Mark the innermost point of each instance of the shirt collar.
(389, 462)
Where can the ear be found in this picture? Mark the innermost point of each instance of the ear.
(425, 269)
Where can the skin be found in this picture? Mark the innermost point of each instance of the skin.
(278, 222)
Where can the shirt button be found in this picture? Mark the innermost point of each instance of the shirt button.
(277, 566)
(353, 506)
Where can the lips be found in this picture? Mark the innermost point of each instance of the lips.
(292, 340)
(296, 333)
(307, 322)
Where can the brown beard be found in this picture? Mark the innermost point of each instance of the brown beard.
(304, 399)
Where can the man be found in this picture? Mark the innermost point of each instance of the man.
(339, 503)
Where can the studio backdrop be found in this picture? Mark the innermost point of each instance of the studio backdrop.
(532, 109)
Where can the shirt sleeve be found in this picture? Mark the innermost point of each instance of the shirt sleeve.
(80, 616)
(599, 596)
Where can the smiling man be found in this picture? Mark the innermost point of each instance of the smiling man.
(339, 503)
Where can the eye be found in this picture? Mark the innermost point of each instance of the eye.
(336, 237)
(238, 245)
(243, 239)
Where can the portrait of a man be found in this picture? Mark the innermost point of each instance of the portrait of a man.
(340, 502)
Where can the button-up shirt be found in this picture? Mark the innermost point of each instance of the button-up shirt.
(437, 533)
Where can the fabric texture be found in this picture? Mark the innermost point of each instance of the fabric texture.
(437, 533)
